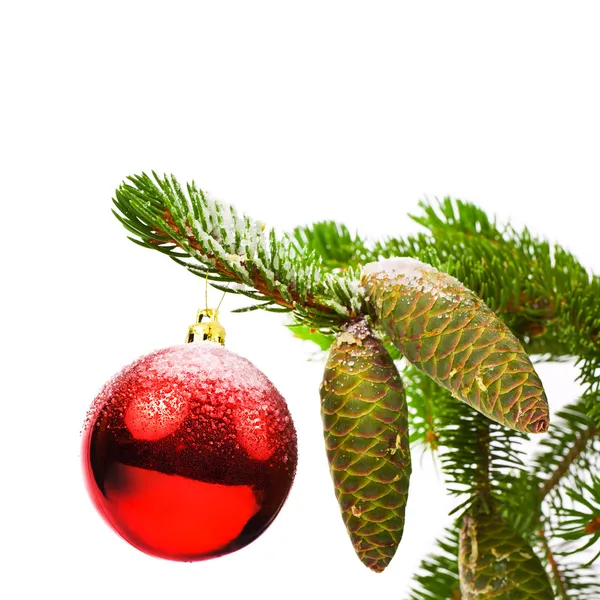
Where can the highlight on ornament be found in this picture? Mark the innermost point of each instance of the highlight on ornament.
(190, 451)
(430, 342)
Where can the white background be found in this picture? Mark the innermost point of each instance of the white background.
(294, 112)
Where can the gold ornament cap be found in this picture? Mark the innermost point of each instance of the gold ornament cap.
(206, 328)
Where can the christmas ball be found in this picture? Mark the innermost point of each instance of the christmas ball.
(189, 452)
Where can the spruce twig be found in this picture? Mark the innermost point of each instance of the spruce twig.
(557, 576)
(482, 448)
(212, 240)
(437, 577)
(542, 293)
(568, 460)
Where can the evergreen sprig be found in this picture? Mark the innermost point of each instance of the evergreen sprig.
(212, 240)
(540, 290)
(571, 580)
(425, 402)
(333, 242)
(479, 458)
(579, 522)
(437, 577)
(570, 450)
(580, 582)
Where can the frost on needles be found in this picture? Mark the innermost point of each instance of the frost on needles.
(543, 301)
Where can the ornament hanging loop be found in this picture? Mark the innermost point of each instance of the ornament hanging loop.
(206, 328)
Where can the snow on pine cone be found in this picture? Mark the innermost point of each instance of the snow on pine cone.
(450, 334)
(365, 424)
(496, 563)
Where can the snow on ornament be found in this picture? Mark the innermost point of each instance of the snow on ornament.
(190, 452)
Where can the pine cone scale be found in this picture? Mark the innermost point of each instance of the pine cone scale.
(447, 331)
(496, 563)
(368, 452)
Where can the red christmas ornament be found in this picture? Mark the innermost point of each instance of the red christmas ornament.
(189, 452)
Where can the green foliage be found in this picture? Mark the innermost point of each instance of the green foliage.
(532, 497)
(304, 332)
(447, 331)
(520, 503)
(540, 290)
(545, 296)
(334, 243)
(323, 338)
(567, 454)
(579, 522)
(437, 577)
(580, 582)
(212, 240)
(425, 401)
(479, 458)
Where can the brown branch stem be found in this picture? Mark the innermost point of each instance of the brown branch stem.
(257, 279)
(483, 449)
(557, 575)
(567, 461)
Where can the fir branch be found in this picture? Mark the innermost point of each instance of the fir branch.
(519, 502)
(437, 578)
(581, 582)
(478, 457)
(425, 398)
(570, 453)
(334, 243)
(483, 485)
(541, 291)
(569, 446)
(212, 240)
(581, 520)
(571, 581)
(573, 454)
(557, 578)
(590, 377)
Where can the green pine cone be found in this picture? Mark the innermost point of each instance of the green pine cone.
(495, 562)
(365, 422)
(450, 334)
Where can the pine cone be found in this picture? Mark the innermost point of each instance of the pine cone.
(496, 563)
(365, 424)
(450, 334)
